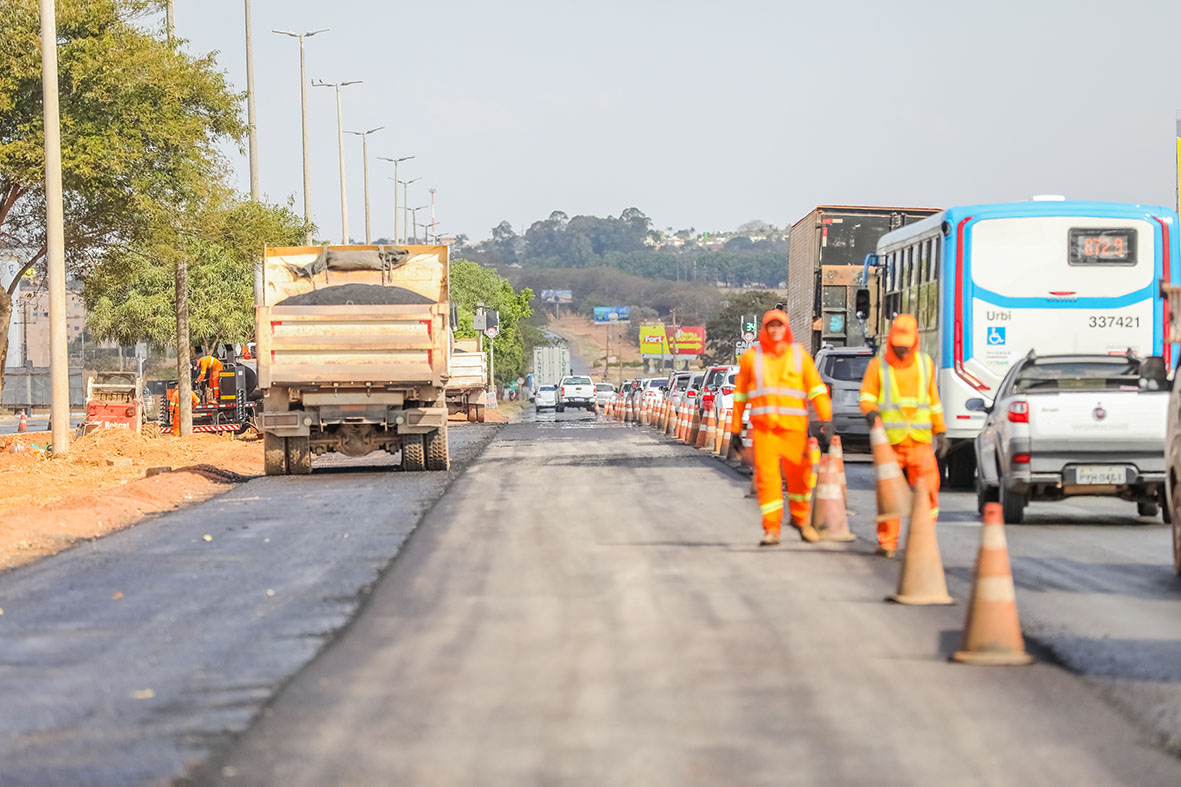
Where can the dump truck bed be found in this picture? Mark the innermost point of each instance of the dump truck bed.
(351, 316)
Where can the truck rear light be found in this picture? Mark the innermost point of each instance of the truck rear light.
(563, 391)
(1020, 459)
(1019, 413)
(727, 390)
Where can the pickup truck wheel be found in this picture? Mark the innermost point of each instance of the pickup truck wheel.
(274, 454)
(436, 450)
(299, 456)
(984, 494)
(1148, 509)
(1166, 513)
(1175, 515)
(560, 409)
(1012, 505)
(413, 455)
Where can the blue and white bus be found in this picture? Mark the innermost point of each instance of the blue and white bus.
(989, 283)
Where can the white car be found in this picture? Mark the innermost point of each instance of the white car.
(546, 398)
(603, 393)
(1065, 425)
(576, 391)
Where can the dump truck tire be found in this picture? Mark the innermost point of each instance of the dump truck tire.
(436, 450)
(274, 454)
(299, 456)
(413, 454)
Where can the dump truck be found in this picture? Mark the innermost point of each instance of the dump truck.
(353, 352)
(468, 385)
(826, 251)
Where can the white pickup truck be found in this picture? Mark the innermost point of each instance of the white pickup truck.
(576, 391)
(1065, 425)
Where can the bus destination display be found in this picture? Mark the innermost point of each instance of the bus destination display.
(1103, 246)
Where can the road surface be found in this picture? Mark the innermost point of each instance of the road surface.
(584, 605)
(610, 621)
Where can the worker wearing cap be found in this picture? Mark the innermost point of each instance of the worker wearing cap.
(210, 368)
(776, 381)
(899, 387)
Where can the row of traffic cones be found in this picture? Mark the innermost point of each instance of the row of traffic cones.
(992, 630)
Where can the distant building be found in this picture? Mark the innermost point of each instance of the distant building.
(8, 270)
(32, 315)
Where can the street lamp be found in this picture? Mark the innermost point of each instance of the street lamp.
(414, 219)
(344, 203)
(303, 105)
(406, 206)
(364, 135)
(395, 162)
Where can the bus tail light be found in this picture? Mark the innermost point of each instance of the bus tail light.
(1020, 459)
(1019, 413)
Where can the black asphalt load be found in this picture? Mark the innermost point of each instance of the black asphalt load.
(127, 660)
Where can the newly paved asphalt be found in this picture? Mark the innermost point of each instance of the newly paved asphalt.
(587, 606)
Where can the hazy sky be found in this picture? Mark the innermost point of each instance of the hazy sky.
(707, 114)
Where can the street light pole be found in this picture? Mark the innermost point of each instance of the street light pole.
(364, 135)
(395, 162)
(170, 20)
(303, 105)
(252, 124)
(406, 208)
(344, 200)
(55, 242)
(414, 220)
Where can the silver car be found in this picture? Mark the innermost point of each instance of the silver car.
(546, 398)
(842, 370)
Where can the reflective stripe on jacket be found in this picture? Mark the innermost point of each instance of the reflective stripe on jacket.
(912, 416)
(776, 391)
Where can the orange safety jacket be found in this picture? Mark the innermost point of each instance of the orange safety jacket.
(211, 366)
(778, 389)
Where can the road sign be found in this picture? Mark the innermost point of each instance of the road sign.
(609, 314)
(749, 327)
(741, 346)
(491, 332)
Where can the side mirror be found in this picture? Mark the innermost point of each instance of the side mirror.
(861, 304)
(976, 404)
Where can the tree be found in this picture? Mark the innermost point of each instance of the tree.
(130, 295)
(142, 123)
(472, 283)
(724, 329)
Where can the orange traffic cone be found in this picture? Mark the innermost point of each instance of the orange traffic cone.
(694, 426)
(892, 489)
(992, 633)
(721, 431)
(836, 456)
(828, 508)
(680, 433)
(23, 425)
(921, 580)
(704, 432)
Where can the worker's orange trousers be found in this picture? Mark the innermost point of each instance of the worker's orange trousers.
(917, 460)
(777, 452)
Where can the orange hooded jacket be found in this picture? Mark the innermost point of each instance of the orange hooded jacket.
(777, 380)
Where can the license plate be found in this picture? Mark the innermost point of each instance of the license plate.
(1099, 474)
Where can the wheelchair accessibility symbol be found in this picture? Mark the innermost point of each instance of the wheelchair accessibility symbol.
(996, 335)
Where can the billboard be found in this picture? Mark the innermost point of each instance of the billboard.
(557, 296)
(610, 314)
(666, 341)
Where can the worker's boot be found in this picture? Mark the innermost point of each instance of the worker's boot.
(807, 532)
(886, 552)
(770, 538)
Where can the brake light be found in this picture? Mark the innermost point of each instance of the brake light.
(563, 390)
(1019, 413)
(1020, 459)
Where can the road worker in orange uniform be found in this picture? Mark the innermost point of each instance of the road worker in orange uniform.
(174, 408)
(210, 368)
(776, 380)
(899, 387)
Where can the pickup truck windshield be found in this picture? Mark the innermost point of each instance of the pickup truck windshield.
(1080, 375)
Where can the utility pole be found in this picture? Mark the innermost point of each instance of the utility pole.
(303, 105)
(406, 208)
(364, 135)
(59, 362)
(414, 221)
(170, 21)
(395, 162)
(252, 123)
(433, 222)
(344, 200)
